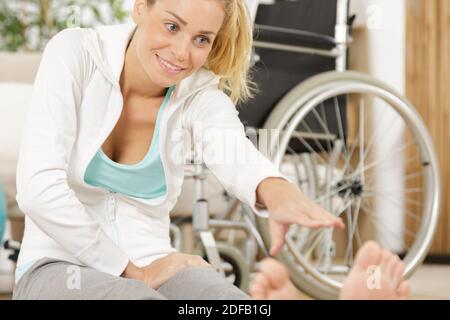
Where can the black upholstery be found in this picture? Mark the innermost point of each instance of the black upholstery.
(279, 71)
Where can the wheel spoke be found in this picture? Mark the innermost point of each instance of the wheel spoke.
(395, 166)
(310, 149)
(375, 136)
(332, 193)
(408, 212)
(361, 142)
(376, 162)
(372, 215)
(338, 116)
(322, 111)
(406, 199)
(353, 227)
(316, 141)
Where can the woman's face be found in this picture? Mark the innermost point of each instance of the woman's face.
(175, 37)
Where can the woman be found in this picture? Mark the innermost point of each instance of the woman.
(101, 164)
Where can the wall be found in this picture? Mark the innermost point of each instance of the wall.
(427, 87)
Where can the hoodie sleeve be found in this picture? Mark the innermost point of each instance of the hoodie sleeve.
(221, 142)
(43, 192)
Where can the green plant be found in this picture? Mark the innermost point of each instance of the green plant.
(27, 25)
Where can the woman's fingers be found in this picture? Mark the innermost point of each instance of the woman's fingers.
(277, 235)
(298, 217)
(317, 216)
(278, 231)
(313, 210)
(302, 211)
(326, 215)
(307, 217)
(316, 213)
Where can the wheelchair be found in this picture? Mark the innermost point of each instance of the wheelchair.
(335, 132)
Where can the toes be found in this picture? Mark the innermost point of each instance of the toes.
(386, 256)
(261, 279)
(275, 272)
(397, 272)
(368, 255)
(391, 264)
(403, 291)
(259, 287)
(257, 291)
(272, 266)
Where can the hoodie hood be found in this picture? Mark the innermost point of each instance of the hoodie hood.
(107, 46)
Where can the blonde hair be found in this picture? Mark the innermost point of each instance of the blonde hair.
(229, 58)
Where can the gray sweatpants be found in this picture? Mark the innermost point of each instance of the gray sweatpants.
(56, 279)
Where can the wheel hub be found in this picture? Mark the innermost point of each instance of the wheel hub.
(355, 187)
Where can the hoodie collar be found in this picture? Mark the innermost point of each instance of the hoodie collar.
(107, 46)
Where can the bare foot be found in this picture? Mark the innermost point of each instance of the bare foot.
(272, 282)
(375, 275)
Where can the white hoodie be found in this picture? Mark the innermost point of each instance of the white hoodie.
(75, 105)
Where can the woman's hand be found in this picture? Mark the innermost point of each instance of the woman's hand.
(287, 205)
(162, 269)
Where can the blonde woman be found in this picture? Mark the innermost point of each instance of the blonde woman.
(101, 164)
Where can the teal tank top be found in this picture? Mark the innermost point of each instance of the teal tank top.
(144, 179)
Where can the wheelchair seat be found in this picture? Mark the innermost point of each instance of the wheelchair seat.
(278, 72)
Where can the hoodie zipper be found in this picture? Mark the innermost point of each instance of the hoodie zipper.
(112, 216)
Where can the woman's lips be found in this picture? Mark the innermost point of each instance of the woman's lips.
(168, 67)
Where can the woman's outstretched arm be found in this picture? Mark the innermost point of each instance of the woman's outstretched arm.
(246, 172)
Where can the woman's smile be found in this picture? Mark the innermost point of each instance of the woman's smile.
(168, 67)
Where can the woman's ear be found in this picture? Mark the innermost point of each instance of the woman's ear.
(138, 10)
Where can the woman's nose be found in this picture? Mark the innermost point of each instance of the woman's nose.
(180, 49)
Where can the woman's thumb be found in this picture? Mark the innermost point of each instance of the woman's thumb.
(277, 235)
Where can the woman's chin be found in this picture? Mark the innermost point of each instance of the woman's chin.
(164, 80)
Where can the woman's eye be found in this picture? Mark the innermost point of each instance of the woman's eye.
(206, 40)
(169, 25)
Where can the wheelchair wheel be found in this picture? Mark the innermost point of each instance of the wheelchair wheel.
(236, 269)
(351, 131)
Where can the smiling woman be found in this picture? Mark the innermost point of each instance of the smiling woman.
(98, 171)
(171, 38)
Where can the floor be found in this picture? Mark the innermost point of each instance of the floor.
(430, 281)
